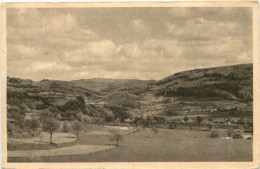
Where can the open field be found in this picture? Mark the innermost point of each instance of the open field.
(169, 145)
(73, 150)
(44, 138)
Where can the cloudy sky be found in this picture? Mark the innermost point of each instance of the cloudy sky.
(140, 43)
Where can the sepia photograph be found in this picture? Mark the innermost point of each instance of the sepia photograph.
(126, 83)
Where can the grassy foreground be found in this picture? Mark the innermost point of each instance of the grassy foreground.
(169, 145)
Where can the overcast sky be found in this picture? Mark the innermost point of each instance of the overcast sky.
(139, 43)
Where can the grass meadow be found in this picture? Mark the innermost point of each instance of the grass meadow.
(169, 146)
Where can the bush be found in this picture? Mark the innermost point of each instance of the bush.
(210, 126)
(170, 126)
(185, 118)
(241, 121)
(116, 137)
(238, 134)
(199, 119)
(41, 106)
(229, 133)
(159, 119)
(214, 134)
(65, 127)
(32, 125)
(87, 119)
(171, 112)
(76, 127)
(155, 131)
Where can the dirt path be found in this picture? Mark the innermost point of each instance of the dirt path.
(64, 151)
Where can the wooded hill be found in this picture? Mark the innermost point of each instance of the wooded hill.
(228, 82)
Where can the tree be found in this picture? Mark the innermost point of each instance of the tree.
(32, 124)
(10, 129)
(116, 137)
(76, 127)
(148, 122)
(185, 118)
(199, 119)
(210, 126)
(50, 125)
(155, 130)
(136, 121)
(81, 99)
(241, 121)
(65, 127)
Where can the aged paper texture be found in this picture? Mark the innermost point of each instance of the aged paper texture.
(130, 85)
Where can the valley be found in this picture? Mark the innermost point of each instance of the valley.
(212, 100)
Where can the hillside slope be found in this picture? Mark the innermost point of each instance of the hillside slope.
(222, 89)
(229, 82)
(107, 85)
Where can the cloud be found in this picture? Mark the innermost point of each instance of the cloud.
(202, 29)
(61, 44)
(139, 26)
(34, 28)
(180, 12)
(18, 51)
(49, 66)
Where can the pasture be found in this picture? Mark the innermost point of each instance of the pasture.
(143, 146)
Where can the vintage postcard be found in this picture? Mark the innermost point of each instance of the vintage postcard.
(130, 85)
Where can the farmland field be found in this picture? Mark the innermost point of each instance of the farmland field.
(169, 145)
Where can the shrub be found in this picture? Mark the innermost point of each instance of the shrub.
(229, 133)
(87, 119)
(32, 125)
(210, 126)
(41, 106)
(241, 121)
(171, 112)
(214, 134)
(136, 121)
(238, 134)
(159, 119)
(170, 126)
(81, 99)
(65, 127)
(199, 119)
(185, 118)
(77, 127)
(155, 131)
(148, 122)
(116, 137)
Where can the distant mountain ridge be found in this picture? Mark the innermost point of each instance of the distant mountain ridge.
(105, 84)
(230, 82)
(213, 91)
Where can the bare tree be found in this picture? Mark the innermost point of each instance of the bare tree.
(155, 131)
(76, 127)
(116, 137)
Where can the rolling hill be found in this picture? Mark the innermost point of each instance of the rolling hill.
(202, 90)
(108, 85)
(229, 82)
(194, 91)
